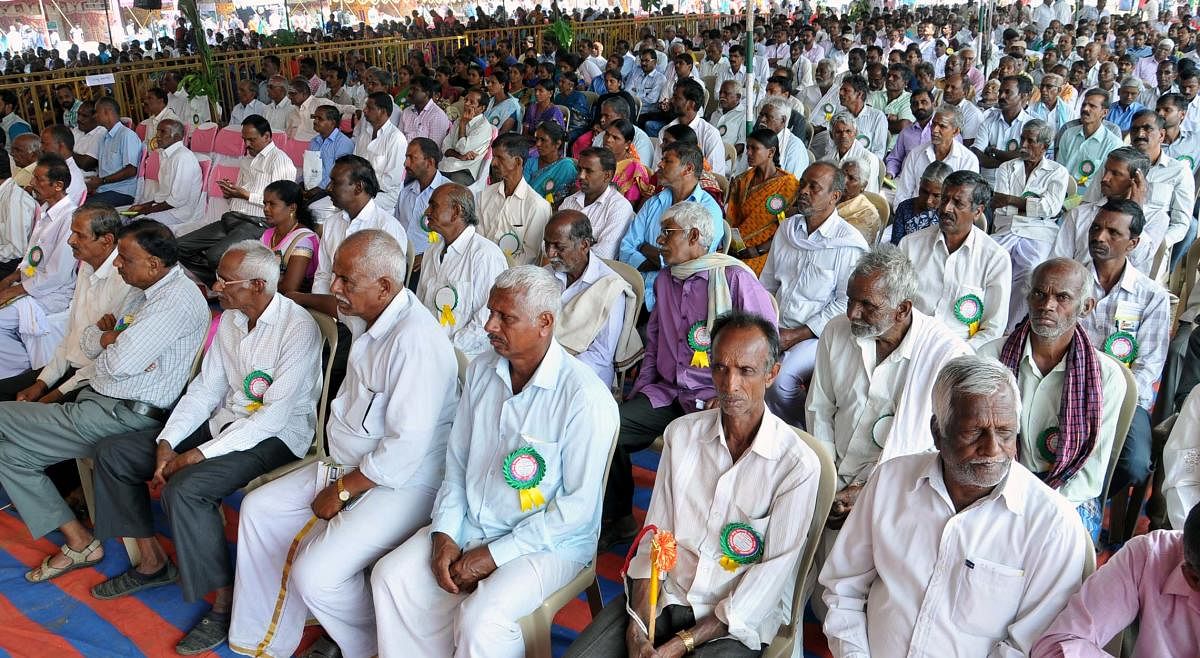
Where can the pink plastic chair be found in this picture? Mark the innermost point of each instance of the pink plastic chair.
(347, 124)
(279, 138)
(150, 167)
(205, 168)
(295, 150)
(229, 143)
(204, 139)
(219, 173)
(140, 129)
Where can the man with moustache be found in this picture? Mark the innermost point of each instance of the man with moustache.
(990, 554)
(608, 211)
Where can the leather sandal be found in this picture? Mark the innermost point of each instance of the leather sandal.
(78, 561)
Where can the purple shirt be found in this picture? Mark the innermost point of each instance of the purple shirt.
(666, 371)
(1142, 579)
(909, 139)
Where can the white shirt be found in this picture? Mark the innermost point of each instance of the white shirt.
(256, 173)
(569, 418)
(972, 118)
(340, 226)
(402, 363)
(731, 126)
(1044, 191)
(700, 489)
(872, 130)
(178, 173)
(1181, 462)
(191, 111)
(854, 399)
(868, 164)
(385, 149)
(152, 123)
(97, 292)
(478, 139)
(1139, 306)
(516, 222)
(89, 143)
(985, 581)
(53, 279)
(277, 113)
(609, 215)
(995, 131)
(16, 219)
(240, 112)
(1072, 238)
(793, 155)
(917, 160)
(710, 143)
(410, 209)
(273, 361)
(300, 123)
(1041, 396)
(600, 355)
(979, 267)
(1173, 190)
(77, 189)
(807, 273)
(462, 279)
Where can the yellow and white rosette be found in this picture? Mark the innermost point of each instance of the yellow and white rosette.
(968, 310)
(446, 301)
(255, 386)
(32, 260)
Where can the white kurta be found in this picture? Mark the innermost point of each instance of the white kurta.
(402, 362)
(516, 223)
(570, 419)
(978, 267)
(985, 581)
(178, 186)
(16, 220)
(460, 276)
(385, 150)
(909, 183)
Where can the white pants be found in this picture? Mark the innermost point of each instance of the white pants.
(14, 357)
(786, 395)
(327, 577)
(1026, 254)
(416, 617)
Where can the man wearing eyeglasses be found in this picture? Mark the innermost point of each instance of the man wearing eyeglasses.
(251, 409)
(646, 82)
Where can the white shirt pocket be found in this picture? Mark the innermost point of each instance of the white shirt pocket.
(989, 594)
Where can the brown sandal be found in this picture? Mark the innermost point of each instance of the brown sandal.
(78, 561)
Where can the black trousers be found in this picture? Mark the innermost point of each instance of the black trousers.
(605, 636)
(192, 499)
(200, 251)
(8, 267)
(1133, 464)
(641, 423)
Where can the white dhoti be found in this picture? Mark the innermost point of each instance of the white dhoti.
(786, 395)
(416, 617)
(28, 336)
(1026, 252)
(327, 576)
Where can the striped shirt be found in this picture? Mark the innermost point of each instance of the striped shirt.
(270, 165)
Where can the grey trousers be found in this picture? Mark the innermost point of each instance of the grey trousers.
(34, 436)
(605, 636)
(192, 499)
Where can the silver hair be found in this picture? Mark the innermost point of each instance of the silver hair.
(258, 262)
(540, 292)
(691, 215)
(779, 107)
(862, 165)
(381, 257)
(953, 111)
(895, 270)
(174, 128)
(1041, 131)
(735, 87)
(277, 81)
(970, 375)
(844, 117)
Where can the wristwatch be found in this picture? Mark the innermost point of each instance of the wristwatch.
(343, 495)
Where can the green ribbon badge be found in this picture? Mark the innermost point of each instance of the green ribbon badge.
(776, 204)
(124, 322)
(1086, 169)
(523, 470)
(1047, 444)
(510, 243)
(33, 260)
(1013, 145)
(1122, 345)
(740, 544)
(1191, 162)
(255, 386)
(968, 309)
(699, 340)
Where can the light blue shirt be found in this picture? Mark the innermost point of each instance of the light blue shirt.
(647, 224)
(337, 145)
(498, 113)
(119, 148)
(646, 86)
(410, 210)
(564, 413)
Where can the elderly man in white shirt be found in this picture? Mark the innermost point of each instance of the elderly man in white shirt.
(386, 465)
(703, 494)
(278, 108)
(964, 276)
(730, 121)
(518, 514)
(34, 299)
(1026, 206)
(869, 397)
(99, 289)
(511, 213)
(1071, 395)
(200, 251)
(299, 122)
(847, 148)
(154, 102)
(607, 210)
(17, 206)
(248, 103)
(946, 124)
(251, 409)
(793, 155)
(811, 258)
(459, 268)
(597, 323)
(989, 555)
(385, 147)
(872, 124)
(176, 198)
